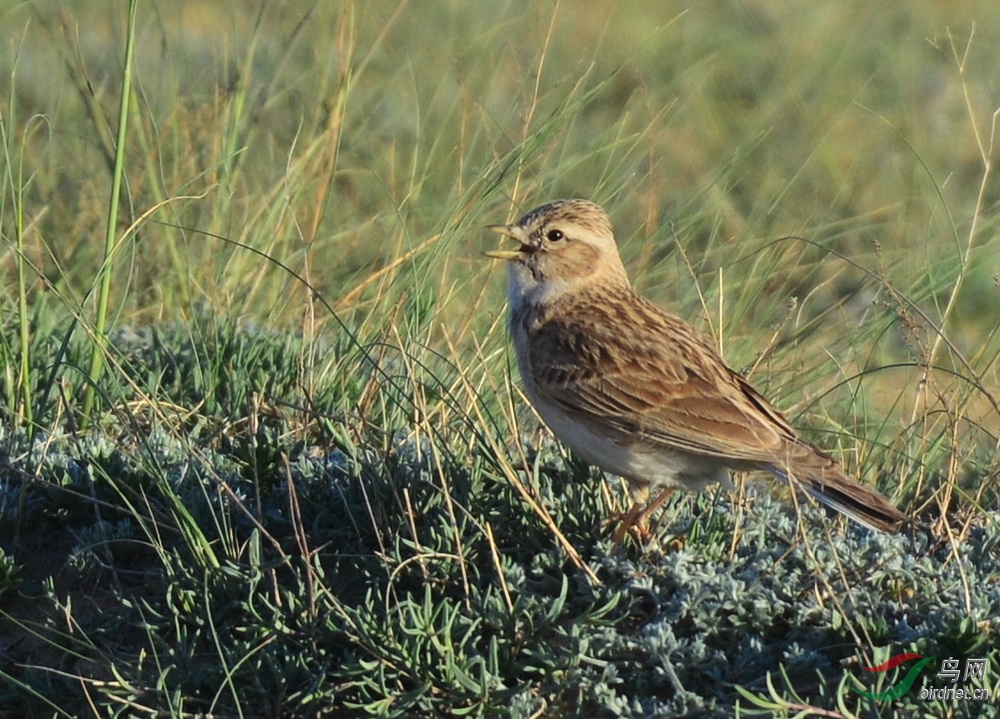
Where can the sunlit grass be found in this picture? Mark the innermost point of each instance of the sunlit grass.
(310, 482)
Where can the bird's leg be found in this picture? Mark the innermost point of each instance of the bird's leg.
(627, 522)
(643, 519)
(662, 497)
(638, 516)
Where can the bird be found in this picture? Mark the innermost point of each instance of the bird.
(639, 392)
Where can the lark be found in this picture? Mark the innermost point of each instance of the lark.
(639, 392)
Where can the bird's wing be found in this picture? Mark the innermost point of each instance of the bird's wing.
(659, 383)
(662, 384)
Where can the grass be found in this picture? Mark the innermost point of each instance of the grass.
(307, 483)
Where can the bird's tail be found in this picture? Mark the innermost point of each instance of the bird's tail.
(820, 475)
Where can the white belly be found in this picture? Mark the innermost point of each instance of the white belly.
(646, 468)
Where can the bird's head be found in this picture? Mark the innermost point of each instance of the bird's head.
(563, 245)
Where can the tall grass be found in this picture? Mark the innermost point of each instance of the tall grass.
(310, 483)
(111, 240)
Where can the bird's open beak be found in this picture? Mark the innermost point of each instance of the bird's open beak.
(514, 232)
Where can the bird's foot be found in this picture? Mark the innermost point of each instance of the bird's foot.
(635, 522)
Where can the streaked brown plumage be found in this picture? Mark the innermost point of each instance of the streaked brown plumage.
(639, 392)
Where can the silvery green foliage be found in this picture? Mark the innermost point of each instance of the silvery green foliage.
(670, 631)
(98, 544)
(350, 571)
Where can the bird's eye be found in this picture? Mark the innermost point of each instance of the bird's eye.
(555, 235)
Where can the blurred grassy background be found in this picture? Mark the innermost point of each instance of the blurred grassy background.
(340, 136)
(822, 169)
(811, 184)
